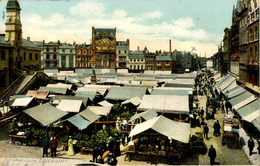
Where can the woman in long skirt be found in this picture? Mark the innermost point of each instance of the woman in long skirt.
(70, 147)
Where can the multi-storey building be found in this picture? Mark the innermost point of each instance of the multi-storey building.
(136, 63)
(234, 37)
(84, 56)
(252, 59)
(67, 55)
(149, 61)
(226, 51)
(122, 52)
(51, 55)
(163, 63)
(16, 54)
(104, 47)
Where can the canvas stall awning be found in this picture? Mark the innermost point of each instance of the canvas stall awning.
(125, 93)
(38, 94)
(53, 90)
(46, 114)
(105, 103)
(135, 101)
(242, 100)
(173, 130)
(181, 85)
(122, 70)
(183, 81)
(169, 92)
(256, 123)
(148, 72)
(89, 115)
(226, 83)
(252, 116)
(70, 105)
(150, 83)
(249, 109)
(162, 72)
(147, 115)
(165, 103)
(85, 100)
(235, 92)
(187, 75)
(222, 79)
(217, 76)
(102, 89)
(229, 88)
(189, 90)
(22, 102)
(89, 94)
(59, 85)
(85, 80)
(100, 110)
(79, 122)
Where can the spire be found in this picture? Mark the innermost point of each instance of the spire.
(238, 6)
(234, 12)
(13, 4)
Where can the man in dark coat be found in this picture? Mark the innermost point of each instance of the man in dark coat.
(206, 131)
(216, 127)
(251, 145)
(111, 145)
(212, 154)
(45, 146)
(53, 146)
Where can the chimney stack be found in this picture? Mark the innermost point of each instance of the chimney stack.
(170, 45)
(28, 38)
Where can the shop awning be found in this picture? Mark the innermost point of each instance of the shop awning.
(135, 101)
(46, 114)
(105, 103)
(70, 105)
(178, 85)
(217, 76)
(37, 94)
(252, 116)
(222, 79)
(22, 102)
(79, 122)
(249, 109)
(89, 115)
(53, 90)
(170, 92)
(242, 100)
(59, 85)
(85, 100)
(256, 123)
(165, 104)
(235, 92)
(147, 115)
(100, 110)
(173, 130)
(125, 93)
(89, 94)
(150, 83)
(189, 90)
(226, 83)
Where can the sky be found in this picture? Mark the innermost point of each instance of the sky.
(150, 23)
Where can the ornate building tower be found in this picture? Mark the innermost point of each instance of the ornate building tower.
(13, 24)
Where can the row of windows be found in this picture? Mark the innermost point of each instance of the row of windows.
(84, 65)
(137, 67)
(84, 52)
(84, 58)
(64, 51)
(253, 54)
(48, 49)
(53, 57)
(136, 60)
(122, 52)
(36, 56)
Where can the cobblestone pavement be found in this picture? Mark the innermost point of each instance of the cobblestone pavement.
(26, 155)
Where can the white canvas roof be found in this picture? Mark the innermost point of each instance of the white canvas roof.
(135, 101)
(100, 110)
(182, 81)
(105, 103)
(244, 102)
(165, 103)
(23, 102)
(70, 105)
(162, 72)
(252, 116)
(173, 130)
(122, 71)
(59, 85)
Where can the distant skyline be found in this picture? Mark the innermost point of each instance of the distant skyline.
(150, 23)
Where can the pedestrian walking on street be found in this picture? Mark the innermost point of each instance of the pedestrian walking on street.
(70, 145)
(45, 146)
(212, 154)
(251, 145)
(53, 146)
(216, 127)
(202, 124)
(206, 131)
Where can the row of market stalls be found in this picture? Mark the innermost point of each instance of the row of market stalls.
(244, 105)
(156, 110)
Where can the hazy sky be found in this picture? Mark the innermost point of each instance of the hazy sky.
(150, 23)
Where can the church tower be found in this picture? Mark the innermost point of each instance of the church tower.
(13, 32)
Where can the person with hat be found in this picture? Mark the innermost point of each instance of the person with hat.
(212, 154)
(45, 146)
(53, 146)
(70, 147)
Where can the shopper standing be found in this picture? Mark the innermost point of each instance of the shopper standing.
(251, 145)
(212, 154)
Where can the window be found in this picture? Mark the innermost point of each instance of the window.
(137, 60)
(90, 65)
(36, 56)
(63, 50)
(47, 56)
(78, 64)
(256, 53)
(78, 58)
(250, 35)
(137, 67)
(251, 53)
(98, 56)
(84, 58)
(134, 60)
(130, 66)
(158, 63)
(55, 56)
(48, 64)
(78, 52)
(134, 67)
(142, 67)
(24, 55)
(84, 65)
(54, 49)
(142, 60)
(111, 56)
(55, 64)
(90, 58)
(71, 58)
(3, 55)
(47, 49)
(90, 52)
(9, 37)
(30, 56)
(119, 51)
(63, 58)
(125, 51)
(71, 50)
(84, 52)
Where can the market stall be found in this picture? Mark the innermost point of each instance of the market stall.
(230, 132)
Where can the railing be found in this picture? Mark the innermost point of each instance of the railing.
(12, 86)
